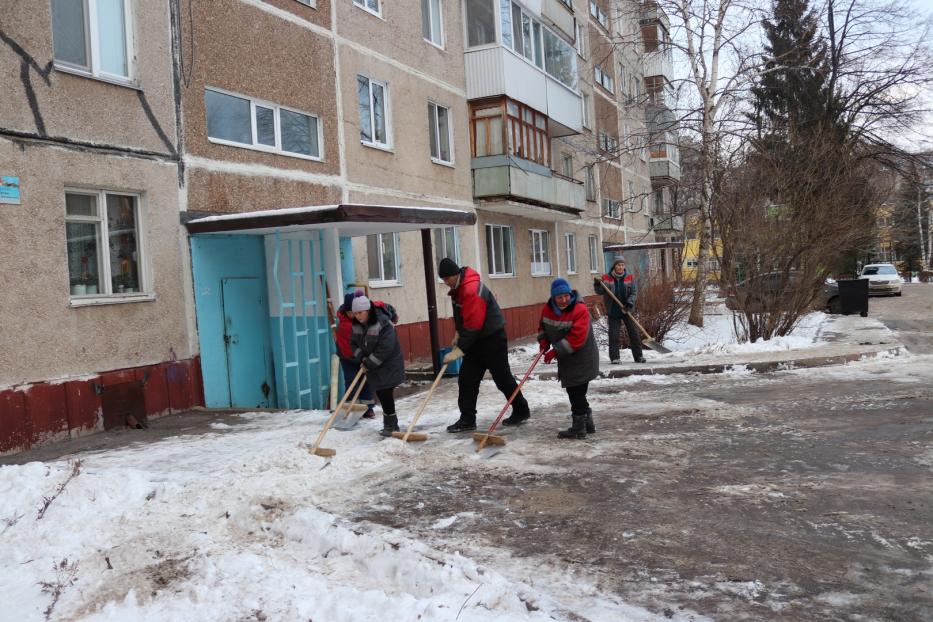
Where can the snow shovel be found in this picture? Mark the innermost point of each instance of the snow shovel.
(497, 441)
(354, 412)
(408, 436)
(648, 340)
(316, 449)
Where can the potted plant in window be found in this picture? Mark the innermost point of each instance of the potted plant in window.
(90, 283)
(79, 286)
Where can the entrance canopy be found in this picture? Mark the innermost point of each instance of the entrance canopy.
(349, 220)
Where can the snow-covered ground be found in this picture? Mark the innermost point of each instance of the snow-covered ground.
(715, 338)
(244, 524)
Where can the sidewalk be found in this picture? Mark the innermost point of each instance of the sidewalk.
(839, 339)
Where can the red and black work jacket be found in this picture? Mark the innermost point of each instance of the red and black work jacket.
(476, 312)
(570, 332)
(624, 289)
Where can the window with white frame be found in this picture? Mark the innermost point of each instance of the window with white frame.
(439, 133)
(447, 244)
(481, 22)
(372, 6)
(612, 209)
(600, 15)
(432, 24)
(603, 78)
(500, 250)
(607, 142)
(104, 243)
(382, 254)
(589, 183)
(631, 195)
(593, 242)
(540, 253)
(94, 37)
(566, 165)
(374, 111)
(242, 121)
(585, 103)
(583, 48)
(571, 245)
(538, 44)
(622, 82)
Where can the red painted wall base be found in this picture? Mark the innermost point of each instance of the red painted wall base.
(44, 412)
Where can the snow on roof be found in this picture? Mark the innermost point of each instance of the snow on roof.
(309, 209)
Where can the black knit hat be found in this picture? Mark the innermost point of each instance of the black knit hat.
(448, 268)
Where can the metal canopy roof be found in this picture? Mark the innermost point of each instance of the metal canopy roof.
(349, 219)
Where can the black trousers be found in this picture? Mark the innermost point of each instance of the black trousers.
(387, 400)
(577, 395)
(634, 337)
(489, 353)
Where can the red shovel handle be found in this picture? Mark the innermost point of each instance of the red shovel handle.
(514, 393)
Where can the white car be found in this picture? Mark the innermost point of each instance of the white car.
(882, 279)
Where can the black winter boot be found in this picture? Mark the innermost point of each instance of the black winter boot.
(517, 417)
(577, 429)
(462, 425)
(590, 426)
(389, 425)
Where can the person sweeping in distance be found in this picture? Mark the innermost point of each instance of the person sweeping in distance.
(622, 284)
(565, 332)
(481, 341)
(375, 345)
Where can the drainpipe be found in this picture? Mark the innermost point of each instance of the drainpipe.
(428, 260)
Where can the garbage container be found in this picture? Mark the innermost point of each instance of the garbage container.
(453, 369)
(853, 296)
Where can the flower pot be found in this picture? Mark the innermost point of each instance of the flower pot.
(79, 289)
(92, 289)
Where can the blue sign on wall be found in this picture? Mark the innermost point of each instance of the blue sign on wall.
(9, 190)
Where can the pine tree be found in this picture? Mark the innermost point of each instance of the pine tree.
(791, 98)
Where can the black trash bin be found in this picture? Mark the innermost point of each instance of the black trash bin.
(853, 296)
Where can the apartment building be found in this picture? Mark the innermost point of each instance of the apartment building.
(204, 176)
(94, 324)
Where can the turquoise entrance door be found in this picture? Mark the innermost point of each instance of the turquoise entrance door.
(245, 346)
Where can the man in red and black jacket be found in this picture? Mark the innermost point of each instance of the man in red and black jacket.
(481, 341)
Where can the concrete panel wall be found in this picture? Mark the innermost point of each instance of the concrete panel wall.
(43, 337)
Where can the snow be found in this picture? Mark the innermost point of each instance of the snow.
(309, 210)
(243, 523)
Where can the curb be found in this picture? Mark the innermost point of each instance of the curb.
(757, 366)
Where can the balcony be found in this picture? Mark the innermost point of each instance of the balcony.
(664, 171)
(667, 222)
(495, 71)
(659, 63)
(558, 14)
(540, 192)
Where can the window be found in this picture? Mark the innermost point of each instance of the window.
(439, 133)
(622, 81)
(383, 258)
(600, 15)
(571, 241)
(432, 22)
(612, 209)
(566, 165)
(103, 242)
(241, 121)
(589, 183)
(603, 78)
(585, 102)
(527, 132)
(94, 37)
(631, 196)
(374, 123)
(594, 254)
(500, 251)
(538, 44)
(486, 127)
(481, 22)
(372, 6)
(583, 49)
(447, 244)
(608, 142)
(659, 201)
(540, 253)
